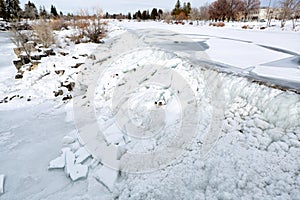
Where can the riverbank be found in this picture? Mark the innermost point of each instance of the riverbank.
(246, 137)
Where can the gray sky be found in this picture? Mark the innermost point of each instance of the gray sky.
(111, 6)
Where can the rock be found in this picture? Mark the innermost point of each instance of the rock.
(77, 65)
(64, 53)
(69, 86)
(36, 57)
(60, 72)
(24, 59)
(67, 97)
(18, 51)
(92, 57)
(18, 76)
(107, 177)
(58, 93)
(18, 64)
(49, 52)
(83, 55)
(81, 155)
(68, 140)
(34, 65)
(2, 179)
(74, 57)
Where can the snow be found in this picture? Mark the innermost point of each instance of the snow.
(81, 155)
(247, 135)
(292, 74)
(106, 176)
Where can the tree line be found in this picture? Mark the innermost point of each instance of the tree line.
(11, 10)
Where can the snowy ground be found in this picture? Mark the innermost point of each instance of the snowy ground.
(146, 84)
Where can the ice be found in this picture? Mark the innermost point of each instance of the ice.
(68, 140)
(70, 161)
(107, 176)
(78, 171)
(261, 123)
(59, 162)
(2, 180)
(75, 171)
(81, 155)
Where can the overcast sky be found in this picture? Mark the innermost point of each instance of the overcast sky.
(111, 6)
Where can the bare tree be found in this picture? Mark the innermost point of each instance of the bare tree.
(250, 5)
(167, 17)
(204, 15)
(195, 15)
(290, 9)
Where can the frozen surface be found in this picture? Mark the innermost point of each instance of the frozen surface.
(2, 179)
(252, 153)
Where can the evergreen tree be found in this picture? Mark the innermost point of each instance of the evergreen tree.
(53, 11)
(43, 12)
(3, 13)
(160, 13)
(139, 14)
(30, 11)
(13, 9)
(129, 16)
(154, 14)
(177, 8)
(144, 15)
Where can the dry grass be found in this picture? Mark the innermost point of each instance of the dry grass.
(217, 24)
(43, 33)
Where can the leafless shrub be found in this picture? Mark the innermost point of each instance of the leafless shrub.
(58, 24)
(89, 28)
(167, 17)
(20, 39)
(43, 33)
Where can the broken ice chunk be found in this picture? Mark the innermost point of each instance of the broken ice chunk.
(68, 140)
(2, 179)
(81, 155)
(107, 176)
(78, 171)
(69, 161)
(59, 162)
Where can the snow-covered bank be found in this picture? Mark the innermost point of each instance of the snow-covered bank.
(244, 136)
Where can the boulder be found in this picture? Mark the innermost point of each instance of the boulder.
(69, 86)
(77, 65)
(25, 59)
(18, 76)
(58, 93)
(64, 53)
(36, 57)
(49, 52)
(67, 97)
(60, 72)
(18, 64)
(18, 51)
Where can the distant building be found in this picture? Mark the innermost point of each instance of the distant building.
(264, 13)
